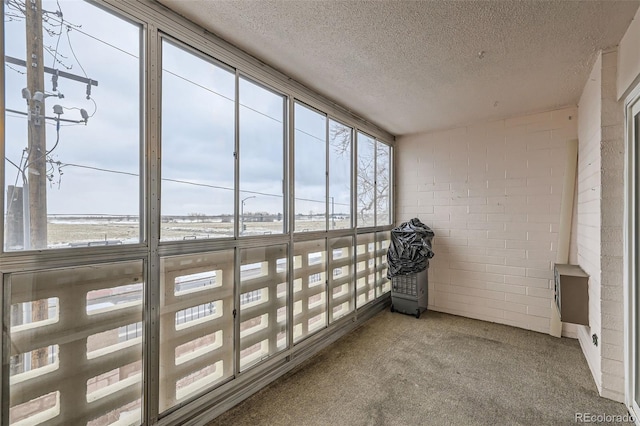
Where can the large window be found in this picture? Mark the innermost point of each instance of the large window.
(340, 143)
(212, 209)
(322, 195)
(383, 184)
(310, 169)
(366, 189)
(374, 182)
(72, 136)
(262, 127)
(198, 144)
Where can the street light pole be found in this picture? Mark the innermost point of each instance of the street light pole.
(333, 214)
(242, 213)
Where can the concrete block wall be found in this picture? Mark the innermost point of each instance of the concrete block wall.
(492, 194)
(588, 210)
(612, 238)
(600, 223)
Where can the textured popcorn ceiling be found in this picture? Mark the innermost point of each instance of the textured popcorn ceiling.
(416, 66)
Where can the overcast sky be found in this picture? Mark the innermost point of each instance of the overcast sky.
(197, 127)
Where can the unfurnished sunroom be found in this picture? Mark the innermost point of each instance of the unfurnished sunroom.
(198, 196)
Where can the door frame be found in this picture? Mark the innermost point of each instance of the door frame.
(631, 247)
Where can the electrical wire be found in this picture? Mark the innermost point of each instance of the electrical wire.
(15, 183)
(14, 69)
(221, 95)
(58, 125)
(49, 49)
(74, 53)
(100, 169)
(57, 138)
(61, 23)
(12, 163)
(76, 28)
(266, 194)
(198, 85)
(95, 108)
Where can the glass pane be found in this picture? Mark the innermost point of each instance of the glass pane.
(309, 288)
(263, 303)
(383, 285)
(76, 345)
(365, 269)
(341, 280)
(261, 160)
(72, 168)
(383, 184)
(339, 175)
(196, 324)
(366, 180)
(310, 170)
(198, 140)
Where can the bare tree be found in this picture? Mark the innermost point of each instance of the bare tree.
(373, 167)
(383, 182)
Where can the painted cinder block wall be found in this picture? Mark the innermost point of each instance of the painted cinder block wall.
(612, 160)
(492, 194)
(600, 223)
(588, 210)
(492, 191)
(601, 207)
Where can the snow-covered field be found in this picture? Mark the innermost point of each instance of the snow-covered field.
(65, 231)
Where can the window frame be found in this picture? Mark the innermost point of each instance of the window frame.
(286, 137)
(164, 38)
(143, 138)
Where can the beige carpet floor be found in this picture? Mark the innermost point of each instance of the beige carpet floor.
(437, 370)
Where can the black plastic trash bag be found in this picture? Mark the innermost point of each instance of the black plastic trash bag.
(410, 248)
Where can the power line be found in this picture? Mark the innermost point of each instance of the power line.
(226, 188)
(74, 53)
(55, 57)
(69, 28)
(219, 94)
(98, 39)
(100, 169)
(198, 85)
(13, 164)
(213, 186)
(181, 181)
(14, 69)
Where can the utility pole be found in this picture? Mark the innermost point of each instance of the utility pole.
(34, 173)
(37, 149)
(37, 159)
